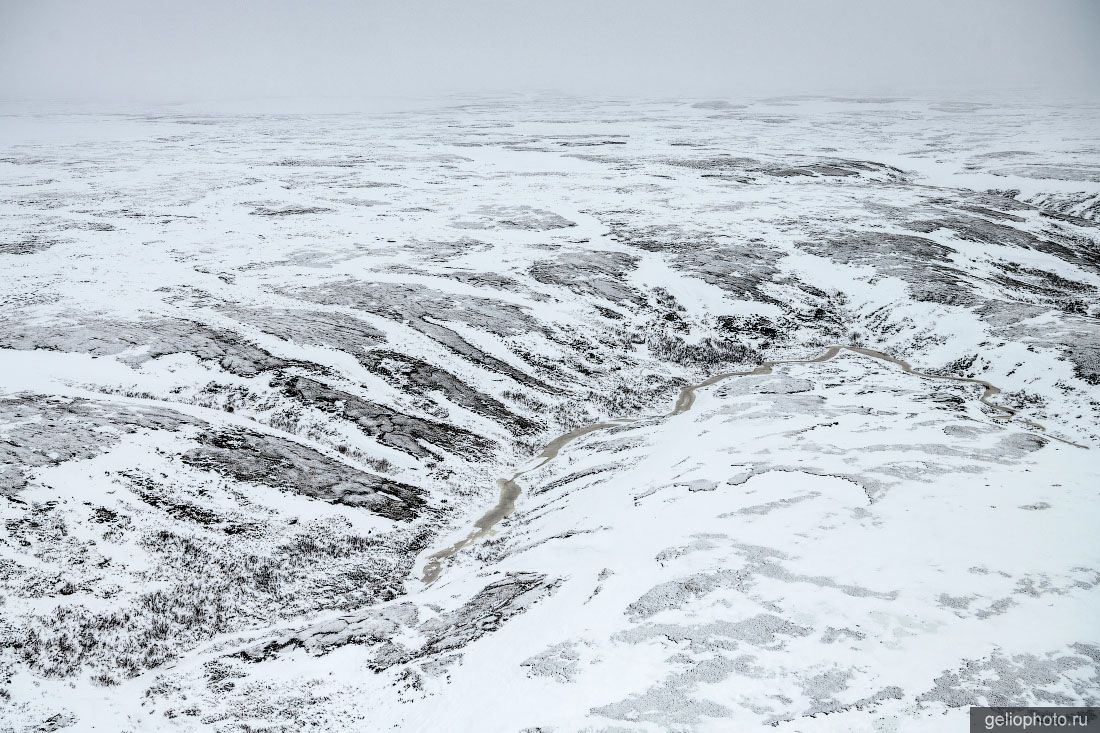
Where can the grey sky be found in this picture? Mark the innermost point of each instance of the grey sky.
(204, 49)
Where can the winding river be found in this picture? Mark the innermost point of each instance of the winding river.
(510, 490)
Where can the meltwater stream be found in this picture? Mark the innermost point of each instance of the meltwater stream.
(510, 490)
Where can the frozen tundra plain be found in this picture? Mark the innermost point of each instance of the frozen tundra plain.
(281, 400)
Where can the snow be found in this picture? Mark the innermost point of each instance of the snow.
(833, 546)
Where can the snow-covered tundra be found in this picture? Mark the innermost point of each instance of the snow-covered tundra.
(549, 414)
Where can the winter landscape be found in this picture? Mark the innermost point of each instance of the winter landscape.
(550, 414)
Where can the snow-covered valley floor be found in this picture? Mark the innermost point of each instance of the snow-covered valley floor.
(455, 419)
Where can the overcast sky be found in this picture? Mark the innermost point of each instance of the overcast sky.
(226, 49)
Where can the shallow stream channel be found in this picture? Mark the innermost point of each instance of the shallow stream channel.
(510, 490)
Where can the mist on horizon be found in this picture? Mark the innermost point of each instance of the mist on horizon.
(159, 52)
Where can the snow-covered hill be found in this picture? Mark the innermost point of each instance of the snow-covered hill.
(282, 398)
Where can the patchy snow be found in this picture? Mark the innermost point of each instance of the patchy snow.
(256, 370)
